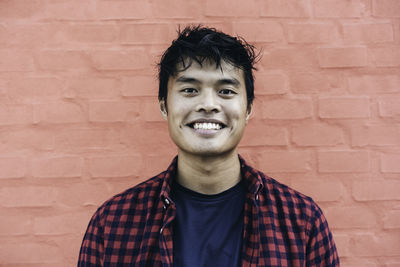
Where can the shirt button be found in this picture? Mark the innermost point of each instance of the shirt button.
(257, 197)
(166, 201)
(161, 230)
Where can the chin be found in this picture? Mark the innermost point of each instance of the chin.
(209, 152)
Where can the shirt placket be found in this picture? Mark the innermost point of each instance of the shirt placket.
(251, 236)
(166, 242)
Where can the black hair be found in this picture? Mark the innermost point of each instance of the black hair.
(201, 43)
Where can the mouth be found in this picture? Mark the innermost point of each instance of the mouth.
(206, 125)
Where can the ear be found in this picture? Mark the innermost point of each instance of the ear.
(163, 109)
(249, 112)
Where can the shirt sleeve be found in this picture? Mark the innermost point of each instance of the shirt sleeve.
(92, 248)
(321, 249)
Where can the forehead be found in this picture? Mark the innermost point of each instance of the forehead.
(209, 71)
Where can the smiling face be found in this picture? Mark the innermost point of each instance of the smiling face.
(207, 108)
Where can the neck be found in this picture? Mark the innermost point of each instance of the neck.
(208, 174)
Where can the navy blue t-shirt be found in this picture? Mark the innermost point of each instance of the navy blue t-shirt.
(208, 228)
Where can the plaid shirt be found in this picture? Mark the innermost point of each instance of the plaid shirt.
(281, 226)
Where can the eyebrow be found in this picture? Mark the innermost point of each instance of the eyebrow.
(231, 81)
(184, 79)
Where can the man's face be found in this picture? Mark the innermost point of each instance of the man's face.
(207, 108)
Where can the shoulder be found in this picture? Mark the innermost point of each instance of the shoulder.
(282, 191)
(290, 202)
(134, 199)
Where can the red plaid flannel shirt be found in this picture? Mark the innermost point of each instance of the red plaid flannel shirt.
(281, 226)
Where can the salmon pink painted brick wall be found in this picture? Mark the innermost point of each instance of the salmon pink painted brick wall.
(79, 120)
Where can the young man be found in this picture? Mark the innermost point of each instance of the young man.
(209, 208)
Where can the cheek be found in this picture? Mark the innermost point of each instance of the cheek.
(236, 111)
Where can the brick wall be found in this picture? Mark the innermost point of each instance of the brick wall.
(79, 120)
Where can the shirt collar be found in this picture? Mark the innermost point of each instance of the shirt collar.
(252, 178)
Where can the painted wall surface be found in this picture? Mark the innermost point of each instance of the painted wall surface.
(79, 120)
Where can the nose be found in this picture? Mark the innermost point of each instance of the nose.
(208, 102)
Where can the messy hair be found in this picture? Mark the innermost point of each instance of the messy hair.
(199, 43)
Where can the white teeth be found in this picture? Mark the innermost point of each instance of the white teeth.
(207, 126)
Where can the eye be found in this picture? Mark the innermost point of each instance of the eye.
(227, 92)
(189, 91)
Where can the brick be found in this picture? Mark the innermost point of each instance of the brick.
(3, 89)
(385, 244)
(15, 114)
(32, 252)
(32, 138)
(339, 8)
(312, 33)
(376, 135)
(58, 112)
(317, 135)
(120, 9)
(362, 84)
(389, 107)
(139, 86)
(120, 60)
(376, 190)
(34, 89)
(258, 133)
(20, 9)
(289, 58)
(320, 191)
(93, 87)
(62, 60)
(92, 33)
(285, 161)
(176, 9)
(270, 84)
(12, 167)
(286, 8)
(151, 110)
(163, 161)
(343, 245)
(368, 33)
(28, 196)
(344, 107)
(388, 56)
(231, 9)
(147, 33)
(342, 57)
(59, 264)
(16, 60)
(67, 10)
(259, 31)
(350, 218)
(70, 245)
(87, 138)
(83, 195)
(68, 223)
(115, 166)
(343, 161)
(305, 83)
(358, 263)
(136, 136)
(390, 163)
(386, 8)
(287, 109)
(4, 35)
(57, 167)
(15, 225)
(113, 111)
(391, 220)
(32, 35)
